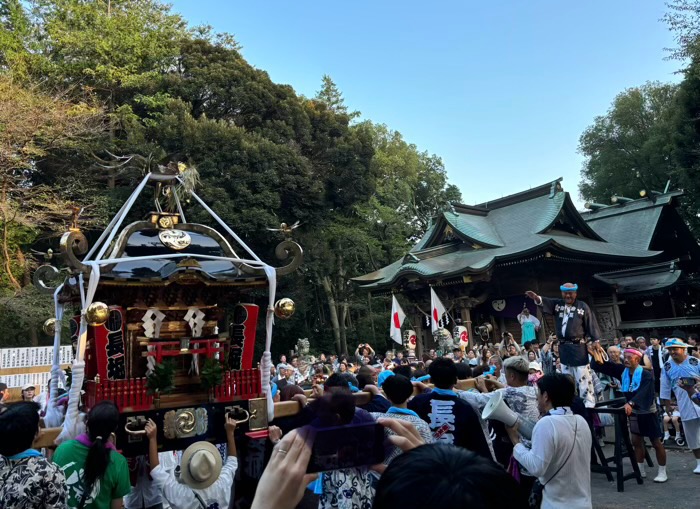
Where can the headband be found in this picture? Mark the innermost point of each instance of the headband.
(569, 289)
(634, 352)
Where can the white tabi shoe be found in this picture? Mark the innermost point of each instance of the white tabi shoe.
(643, 471)
(697, 470)
(661, 477)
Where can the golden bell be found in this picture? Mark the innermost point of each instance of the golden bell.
(50, 327)
(97, 313)
(284, 308)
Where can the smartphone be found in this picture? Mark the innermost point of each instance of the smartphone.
(353, 445)
(687, 381)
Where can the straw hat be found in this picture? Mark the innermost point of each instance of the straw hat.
(676, 343)
(201, 465)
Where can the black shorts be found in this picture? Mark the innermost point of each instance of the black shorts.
(646, 425)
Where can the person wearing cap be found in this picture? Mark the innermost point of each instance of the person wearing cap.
(28, 392)
(535, 373)
(574, 321)
(681, 365)
(637, 385)
(521, 397)
(201, 481)
(284, 372)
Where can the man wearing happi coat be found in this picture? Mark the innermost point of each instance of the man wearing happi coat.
(575, 323)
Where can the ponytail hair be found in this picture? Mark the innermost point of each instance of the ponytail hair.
(102, 421)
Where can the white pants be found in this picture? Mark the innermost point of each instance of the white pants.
(691, 428)
(584, 382)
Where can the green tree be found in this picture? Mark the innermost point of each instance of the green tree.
(264, 154)
(332, 97)
(687, 142)
(108, 46)
(35, 125)
(630, 147)
(683, 19)
(15, 32)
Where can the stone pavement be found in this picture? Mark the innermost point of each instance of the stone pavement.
(679, 492)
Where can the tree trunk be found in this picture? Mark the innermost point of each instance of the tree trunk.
(342, 291)
(33, 336)
(343, 326)
(332, 307)
(6, 240)
(26, 276)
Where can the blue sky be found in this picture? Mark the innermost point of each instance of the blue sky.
(500, 90)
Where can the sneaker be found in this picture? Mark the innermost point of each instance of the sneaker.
(662, 477)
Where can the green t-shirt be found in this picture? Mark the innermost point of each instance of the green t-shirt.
(71, 456)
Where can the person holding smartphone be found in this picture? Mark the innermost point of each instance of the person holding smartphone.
(692, 387)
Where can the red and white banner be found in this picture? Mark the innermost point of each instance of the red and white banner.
(437, 309)
(397, 318)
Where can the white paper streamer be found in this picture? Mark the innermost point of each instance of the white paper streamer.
(53, 417)
(152, 322)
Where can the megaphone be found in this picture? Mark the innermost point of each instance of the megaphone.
(497, 409)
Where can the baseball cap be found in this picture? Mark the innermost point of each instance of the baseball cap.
(536, 366)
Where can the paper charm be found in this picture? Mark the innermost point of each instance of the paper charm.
(195, 318)
(152, 322)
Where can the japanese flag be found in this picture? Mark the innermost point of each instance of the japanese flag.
(436, 311)
(397, 318)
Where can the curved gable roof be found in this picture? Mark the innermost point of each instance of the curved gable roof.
(505, 229)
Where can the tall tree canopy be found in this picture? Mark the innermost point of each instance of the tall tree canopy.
(630, 147)
(265, 155)
(651, 133)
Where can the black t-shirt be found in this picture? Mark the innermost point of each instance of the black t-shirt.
(455, 418)
(656, 363)
(377, 404)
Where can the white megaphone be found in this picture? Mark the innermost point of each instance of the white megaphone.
(497, 409)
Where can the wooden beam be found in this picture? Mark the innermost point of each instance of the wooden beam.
(47, 436)
(29, 369)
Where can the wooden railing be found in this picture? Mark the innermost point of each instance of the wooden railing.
(206, 347)
(128, 395)
(132, 395)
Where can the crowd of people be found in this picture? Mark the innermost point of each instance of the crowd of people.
(439, 448)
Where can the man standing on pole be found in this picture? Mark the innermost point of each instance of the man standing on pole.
(574, 322)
